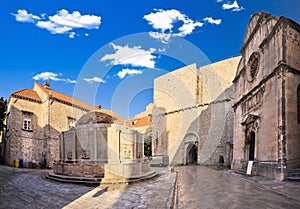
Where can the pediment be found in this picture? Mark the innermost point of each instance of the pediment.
(251, 118)
(257, 20)
(253, 23)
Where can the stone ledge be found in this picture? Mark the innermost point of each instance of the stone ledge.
(73, 179)
(115, 179)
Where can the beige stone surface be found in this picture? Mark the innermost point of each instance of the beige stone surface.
(266, 103)
(192, 107)
(147, 112)
(49, 119)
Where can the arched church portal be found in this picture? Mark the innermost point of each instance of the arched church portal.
(251, 146)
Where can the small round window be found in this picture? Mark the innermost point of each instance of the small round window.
(253, 65)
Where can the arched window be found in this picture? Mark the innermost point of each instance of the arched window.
(298, 103)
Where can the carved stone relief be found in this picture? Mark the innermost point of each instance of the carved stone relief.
(253, 101)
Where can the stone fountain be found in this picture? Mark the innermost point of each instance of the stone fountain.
(100, 148)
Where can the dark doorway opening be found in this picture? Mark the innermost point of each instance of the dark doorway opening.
(191, 151)
(251, 146)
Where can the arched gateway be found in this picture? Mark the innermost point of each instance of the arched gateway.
(192, 153)
(191, 149)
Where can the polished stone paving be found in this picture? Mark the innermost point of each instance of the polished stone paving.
(203, 187)
(27, 188)
(197, 187)
(156, 193)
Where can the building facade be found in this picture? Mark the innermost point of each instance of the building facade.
(35, 119)
(192, 121)
(267, 98)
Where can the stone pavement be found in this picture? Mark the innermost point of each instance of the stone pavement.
(197, 187)
(155, 194)
(203, 187)
(26, 188)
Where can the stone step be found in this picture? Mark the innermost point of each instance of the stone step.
(294, 173)
(74, 179)
(130, 180)
(88, 178)
(293, 178)
(241, 172)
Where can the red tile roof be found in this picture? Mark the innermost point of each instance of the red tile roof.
(27, 94)
(33, 96)
(140, 122)
(67, 99)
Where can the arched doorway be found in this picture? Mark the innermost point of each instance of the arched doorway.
(251, 146)
(191, 154)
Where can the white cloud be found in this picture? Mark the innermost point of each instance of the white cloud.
(161, 36)
(233, 6)
(213, 21)
(53, 28)
(135, 56)
(24, 16)
(61, 23)
(86, 34)
(75, 20)
(164, 21)
(219, 0)
(68, 80)
(121, 74)
(43, 16)
(188, 27)
(72, 34)
(45, 76)
(162, 50)
(95, 79)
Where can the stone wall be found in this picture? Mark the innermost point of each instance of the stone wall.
(292, 84)
(191, 106)
(49, 119)
(293, 127)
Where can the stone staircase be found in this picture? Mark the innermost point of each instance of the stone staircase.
(74, 179)
(294, 175)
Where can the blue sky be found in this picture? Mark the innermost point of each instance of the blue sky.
(109, 52)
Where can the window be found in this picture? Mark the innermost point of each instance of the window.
(71, 122)
(298, 103)
(27, 121)
(253, 65)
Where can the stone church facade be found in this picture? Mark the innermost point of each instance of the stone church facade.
(192, 120)
(35, 120)
(267, 98)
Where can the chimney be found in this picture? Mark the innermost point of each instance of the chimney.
(98, 107)
(46, 85)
